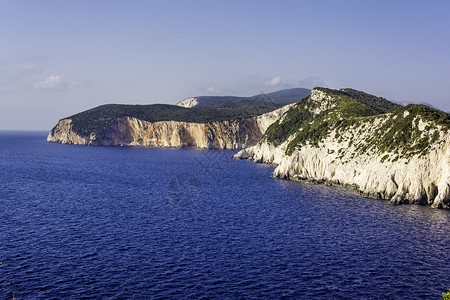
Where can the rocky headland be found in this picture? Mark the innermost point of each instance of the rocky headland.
(222, 122)
(132, 131)
(340, 137)
(346, 137)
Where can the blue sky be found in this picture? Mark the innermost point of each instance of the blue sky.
(58, 58)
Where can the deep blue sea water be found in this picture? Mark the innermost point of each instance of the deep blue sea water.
(138, 223)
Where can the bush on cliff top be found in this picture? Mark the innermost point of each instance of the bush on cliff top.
(349, 108)
(346, 106)
(93, 120)
(210, 108)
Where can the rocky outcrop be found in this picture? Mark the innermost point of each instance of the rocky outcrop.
(63, 133)
(420, 178)
(417, 180)
(126, 131)
(188, 103)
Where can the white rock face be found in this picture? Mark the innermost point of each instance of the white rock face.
(418, 180)
(230, 134)
(265, 120)
(63, 133)
(323, 100)
(188, 103)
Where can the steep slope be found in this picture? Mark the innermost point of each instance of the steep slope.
(95, 119)
(279, 98)
(107, 124)
(350, 138)
(109, 127)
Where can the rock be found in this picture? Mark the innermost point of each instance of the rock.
(188, 103)
(418, 178)
(397, 182)
(126, 131)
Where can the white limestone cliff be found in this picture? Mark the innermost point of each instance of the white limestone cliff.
(417, 179)
(188, 103)
(63, 133)
(230, 134)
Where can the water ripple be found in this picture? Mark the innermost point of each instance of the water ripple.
(95, 222)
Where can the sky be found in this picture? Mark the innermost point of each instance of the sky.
(58, 58)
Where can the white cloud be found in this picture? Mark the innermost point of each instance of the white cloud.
(51, 83)
(274, 81)
(250, 85)
(56, 82)
(212, 89)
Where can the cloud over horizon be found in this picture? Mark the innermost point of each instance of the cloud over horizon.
(52, 83)
(255, 84)
(212, 89)
(274, 81)
(56, 82)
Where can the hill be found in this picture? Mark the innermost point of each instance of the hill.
(351, 138)
(312, 121)
(212, 109)
(280, 98)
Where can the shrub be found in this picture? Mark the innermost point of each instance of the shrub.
(446, 296)
(384, 158)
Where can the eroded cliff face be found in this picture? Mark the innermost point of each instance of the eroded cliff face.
(63, 133)
(188, 103)
(417, 179)
(230, 134)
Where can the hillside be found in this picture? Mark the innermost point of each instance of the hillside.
(93, 120)
(312, 121)
(278, 98)
(212, 109)
(168, 126)
(351, 138)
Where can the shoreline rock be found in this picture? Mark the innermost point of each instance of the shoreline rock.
(352, 139)
(416, 180)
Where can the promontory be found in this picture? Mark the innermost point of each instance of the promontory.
(347, 137)
(340, 137)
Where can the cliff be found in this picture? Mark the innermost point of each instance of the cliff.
(361, 141)
(132, 131)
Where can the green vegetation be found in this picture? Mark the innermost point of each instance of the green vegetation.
(311, 120)
(282, 97)
(252, 107)
(400, 132)
(295, 118)
(371, 104)
(210, 108)
(93, 120)
(348, 112)
(446, 296)
(384, 158)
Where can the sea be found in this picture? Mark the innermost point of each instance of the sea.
(93, 222)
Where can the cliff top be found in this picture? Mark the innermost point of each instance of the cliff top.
(209, 110)
(406, 131)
